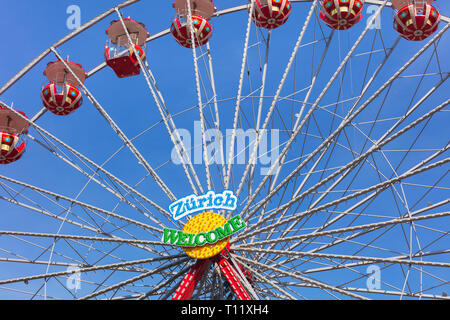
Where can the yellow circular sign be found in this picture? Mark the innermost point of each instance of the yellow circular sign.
(203, 223)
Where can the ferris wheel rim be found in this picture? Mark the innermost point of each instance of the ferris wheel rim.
(235, 8)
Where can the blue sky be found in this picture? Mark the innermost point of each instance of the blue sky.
(30, 28)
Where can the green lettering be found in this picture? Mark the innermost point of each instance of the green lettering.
(199, 242)
(182, 239)
(170, 236)
(191, 240)
(178, 237)
(209, 236)
(237, 223)
(223, 232)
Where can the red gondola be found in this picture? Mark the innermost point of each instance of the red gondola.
(201, 13)
(341, 14)
(119, 53)
(61, 96)
(415, 20)
(12, 128)
(271, 14)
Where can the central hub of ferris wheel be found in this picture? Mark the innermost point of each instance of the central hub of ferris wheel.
(208, 229)
(206, 237)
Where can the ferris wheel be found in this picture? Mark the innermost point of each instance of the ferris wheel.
(274, 149)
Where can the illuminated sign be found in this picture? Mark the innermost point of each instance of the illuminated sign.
(210, 201)
(208, 233)
(181, 238)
